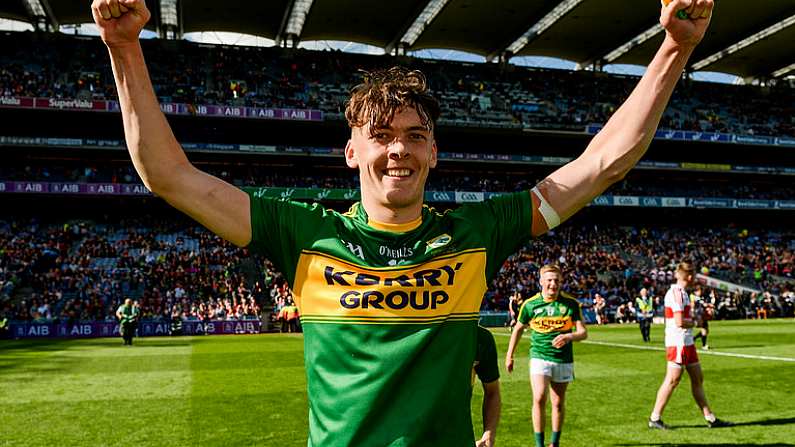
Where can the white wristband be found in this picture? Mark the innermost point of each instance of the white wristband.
(550, 215)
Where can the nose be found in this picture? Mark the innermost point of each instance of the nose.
(397, 150)
(398, 155)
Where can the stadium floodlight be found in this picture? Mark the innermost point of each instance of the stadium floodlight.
(295, 24)
(765, 33)
(35, 8)
(422, 21)
(41, 12)
(788, 69)
(168, 12)
(632, 43)
(542, 25)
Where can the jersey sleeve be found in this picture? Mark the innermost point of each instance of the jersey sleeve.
(487, 368)
(505, 223)
(280, 229)
(576, 310)
(524, 314)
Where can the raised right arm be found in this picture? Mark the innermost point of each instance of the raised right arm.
(157, 156)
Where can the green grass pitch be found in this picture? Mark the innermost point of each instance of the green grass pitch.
(250, 390)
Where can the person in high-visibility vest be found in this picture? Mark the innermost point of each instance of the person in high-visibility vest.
(645, 313)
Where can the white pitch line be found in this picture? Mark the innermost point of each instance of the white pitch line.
(700, 352)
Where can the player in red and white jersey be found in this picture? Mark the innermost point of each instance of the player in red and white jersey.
(680, 350)
(677, 336)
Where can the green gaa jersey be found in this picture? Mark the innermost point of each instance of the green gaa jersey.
(547, 320)
(389, 312)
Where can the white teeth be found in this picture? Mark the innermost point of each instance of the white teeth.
(398, 172)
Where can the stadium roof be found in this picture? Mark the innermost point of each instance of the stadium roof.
(750, 42)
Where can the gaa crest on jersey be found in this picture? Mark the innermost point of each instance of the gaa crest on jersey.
(438, 241)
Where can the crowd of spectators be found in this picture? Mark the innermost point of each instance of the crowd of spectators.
(606, 266)
(60, 66)
(79, 270)
(638, 183)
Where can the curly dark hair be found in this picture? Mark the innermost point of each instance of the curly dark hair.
(383, 93)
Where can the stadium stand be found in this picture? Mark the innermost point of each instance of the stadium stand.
(55, 268)
(639, 183)
(61, 66)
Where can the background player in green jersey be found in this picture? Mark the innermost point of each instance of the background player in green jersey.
(128, 318)
(555, 321)
(392, 119)
(488, 371)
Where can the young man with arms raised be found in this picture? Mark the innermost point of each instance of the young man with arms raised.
(389, 292)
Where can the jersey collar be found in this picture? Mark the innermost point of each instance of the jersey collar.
(358, 212)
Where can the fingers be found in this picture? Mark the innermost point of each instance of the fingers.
(100, 9)
(688, 9)
(131, 4)
(709, 5)
(698, 9)
(676, 9)
(113, 6)
(111, 9)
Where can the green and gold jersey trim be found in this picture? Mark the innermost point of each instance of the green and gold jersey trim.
(395, 228)
(473, 316)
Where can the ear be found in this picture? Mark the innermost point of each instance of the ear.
(434, 151)
(350, 155)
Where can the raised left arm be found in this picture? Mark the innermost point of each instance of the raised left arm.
(627, 135)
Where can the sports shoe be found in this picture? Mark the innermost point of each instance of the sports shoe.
(705, 347)
(718, 423)
(659, 424)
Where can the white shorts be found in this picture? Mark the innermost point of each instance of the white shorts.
(558, 372)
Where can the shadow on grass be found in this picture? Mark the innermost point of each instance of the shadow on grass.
(763, 422)
(779, 421)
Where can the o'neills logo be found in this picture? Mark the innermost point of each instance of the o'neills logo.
(10, 101)
(70, 103)
(407, 290)
(550, 324)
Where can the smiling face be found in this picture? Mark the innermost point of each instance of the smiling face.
(393, 163)
(550, 284)
(392, 117)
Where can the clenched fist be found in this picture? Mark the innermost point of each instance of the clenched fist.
(120, 21)
(686, 21)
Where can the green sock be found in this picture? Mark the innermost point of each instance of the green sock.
(540, 439)
(555, 438)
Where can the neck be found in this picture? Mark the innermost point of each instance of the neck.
(682, 284)
(391, 215)
(549, 297)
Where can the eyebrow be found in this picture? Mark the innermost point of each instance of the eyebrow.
(407, 129)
